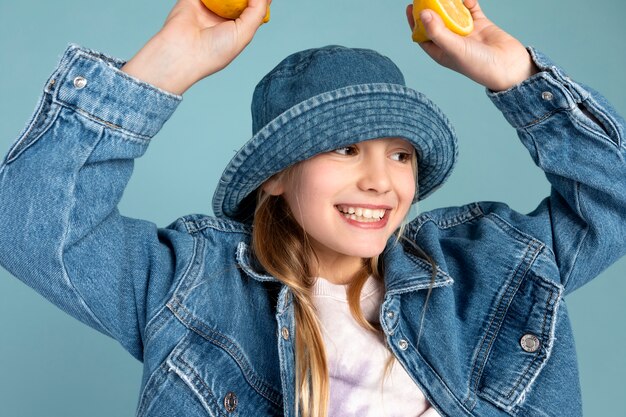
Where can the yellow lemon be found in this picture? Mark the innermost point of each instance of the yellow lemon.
(231, 9)
(454, 14)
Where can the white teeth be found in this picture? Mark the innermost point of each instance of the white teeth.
(362, 214)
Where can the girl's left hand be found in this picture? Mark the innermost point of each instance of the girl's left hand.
(489, 55)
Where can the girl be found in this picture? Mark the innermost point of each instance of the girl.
(458, 312)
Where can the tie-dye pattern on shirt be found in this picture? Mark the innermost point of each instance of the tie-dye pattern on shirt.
(357, 359)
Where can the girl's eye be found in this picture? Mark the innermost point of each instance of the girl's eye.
(402, 156)
(346, 150)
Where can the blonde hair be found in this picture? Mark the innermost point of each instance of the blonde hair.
(282, 247)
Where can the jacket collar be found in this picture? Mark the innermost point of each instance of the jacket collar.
(404, 270)
(249, 264)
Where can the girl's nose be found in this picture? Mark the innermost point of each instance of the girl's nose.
(374, 175)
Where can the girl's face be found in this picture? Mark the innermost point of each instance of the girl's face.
(349, 201)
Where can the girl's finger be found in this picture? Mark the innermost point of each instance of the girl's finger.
(437, 31)
(251, 19)
(409, 16)
(255, 12)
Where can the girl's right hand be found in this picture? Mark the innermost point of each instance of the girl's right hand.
(194, 43)
(489, 55)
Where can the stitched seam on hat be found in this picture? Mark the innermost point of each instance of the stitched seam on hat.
(366, 90)
(292, 126)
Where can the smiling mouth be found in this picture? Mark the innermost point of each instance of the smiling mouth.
(362, 214)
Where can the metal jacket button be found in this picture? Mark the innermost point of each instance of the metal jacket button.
(80, 82)
(403, 344)
(230, 402)
(530, 343)
(285, 333)
(546, 95)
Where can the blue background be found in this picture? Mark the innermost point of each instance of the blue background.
(51, 365)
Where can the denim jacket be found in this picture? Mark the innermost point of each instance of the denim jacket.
(216, 333)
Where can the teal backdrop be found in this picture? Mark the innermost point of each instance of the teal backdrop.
(51, 365)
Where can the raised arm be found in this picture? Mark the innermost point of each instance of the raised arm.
(572, 133)
(61, 181)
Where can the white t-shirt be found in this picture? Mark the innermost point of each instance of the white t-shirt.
(357, 358)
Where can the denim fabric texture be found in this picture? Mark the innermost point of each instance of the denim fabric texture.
(322, 99)
(215, 333)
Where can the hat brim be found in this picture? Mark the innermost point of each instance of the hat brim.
(334, 119)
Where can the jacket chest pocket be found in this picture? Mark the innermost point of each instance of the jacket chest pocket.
(200, 375)
(518, 341)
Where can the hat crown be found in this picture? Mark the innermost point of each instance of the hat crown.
(311, 72)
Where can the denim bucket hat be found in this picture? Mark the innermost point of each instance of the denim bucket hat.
(322, 99)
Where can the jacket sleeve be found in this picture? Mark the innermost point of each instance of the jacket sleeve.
(576, 137)
(60, 183)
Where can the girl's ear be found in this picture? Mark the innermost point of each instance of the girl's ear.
(273, 186)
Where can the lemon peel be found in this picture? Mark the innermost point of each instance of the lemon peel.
(231, 9)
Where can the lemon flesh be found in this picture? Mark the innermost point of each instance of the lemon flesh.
(231, 9)
(454, 14)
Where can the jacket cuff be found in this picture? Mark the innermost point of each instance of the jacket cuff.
(92, 83)
(537, 97)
